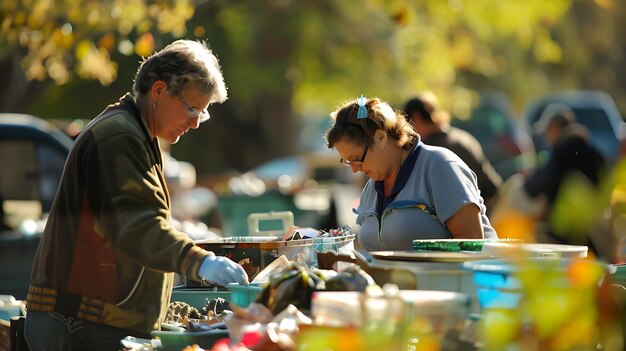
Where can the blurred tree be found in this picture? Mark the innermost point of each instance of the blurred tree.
(45, 41)
(287, 58)
(292, 58)
(593, 41)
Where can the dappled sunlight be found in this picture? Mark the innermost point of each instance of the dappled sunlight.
(96, 63)
(512, 224)
(145, 45)
(56, 48)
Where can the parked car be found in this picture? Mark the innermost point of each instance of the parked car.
(33, 154)
(594, 109)
(504, 140)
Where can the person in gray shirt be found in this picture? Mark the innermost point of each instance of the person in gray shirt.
(415, 191)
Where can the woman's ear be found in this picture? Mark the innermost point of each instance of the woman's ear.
(380, 139)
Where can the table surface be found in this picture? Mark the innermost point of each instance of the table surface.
(429, 256)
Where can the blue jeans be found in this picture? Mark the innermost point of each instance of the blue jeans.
(52, 331)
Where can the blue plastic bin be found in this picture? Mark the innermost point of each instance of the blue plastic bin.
(497, 285)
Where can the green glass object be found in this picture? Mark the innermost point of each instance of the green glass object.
(448, 245)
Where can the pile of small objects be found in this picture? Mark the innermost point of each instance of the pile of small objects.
(346, 229)
(179, 312)
(270, 323)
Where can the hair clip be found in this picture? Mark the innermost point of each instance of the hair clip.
(362, 111)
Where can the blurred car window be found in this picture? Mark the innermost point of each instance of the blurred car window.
(19, 172)
(33, 154)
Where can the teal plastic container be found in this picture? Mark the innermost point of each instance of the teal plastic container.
(244, 295)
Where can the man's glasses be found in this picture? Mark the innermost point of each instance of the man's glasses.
(356, 163)
(192, 113)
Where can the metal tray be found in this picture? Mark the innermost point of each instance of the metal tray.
(434, 256)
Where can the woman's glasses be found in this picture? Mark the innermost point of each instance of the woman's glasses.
(355, 163)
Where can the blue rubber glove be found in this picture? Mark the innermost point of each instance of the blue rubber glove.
(221, 270)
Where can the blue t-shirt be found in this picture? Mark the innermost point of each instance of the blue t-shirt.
(432, 185)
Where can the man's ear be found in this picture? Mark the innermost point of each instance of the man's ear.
(380, 139)
(158, 88)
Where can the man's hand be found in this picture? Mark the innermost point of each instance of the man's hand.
(221, 270)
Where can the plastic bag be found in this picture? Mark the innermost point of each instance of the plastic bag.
(352, 278)
(291, 287)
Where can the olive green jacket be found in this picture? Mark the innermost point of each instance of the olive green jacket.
(108, 252)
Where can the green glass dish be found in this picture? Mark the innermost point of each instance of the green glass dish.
(457, 245)
(449, 245)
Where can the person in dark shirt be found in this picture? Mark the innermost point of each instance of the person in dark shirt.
(433, 125)
(549, 128)
(573, 164)
(571, 152)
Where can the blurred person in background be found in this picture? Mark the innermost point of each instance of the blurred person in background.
(106, 260)
(433, 125)
(571, 184)
(414, 191)
(549, 127)
(564, 196)
(516, 214)
(570, 150)
(554, 119)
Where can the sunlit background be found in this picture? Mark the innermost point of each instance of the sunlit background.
(289, 63)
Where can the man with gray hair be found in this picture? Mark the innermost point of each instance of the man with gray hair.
(106, 260)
